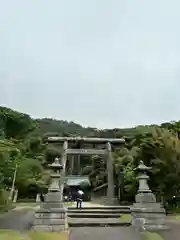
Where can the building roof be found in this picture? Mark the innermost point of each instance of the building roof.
(77, 180)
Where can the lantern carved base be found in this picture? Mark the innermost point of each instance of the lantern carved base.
(54, 220)
(148, 216)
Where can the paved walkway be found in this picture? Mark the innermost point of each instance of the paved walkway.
(90, 204)
(19, 208)
(99, 233)
(173, 233)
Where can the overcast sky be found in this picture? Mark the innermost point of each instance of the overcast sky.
(103, 63)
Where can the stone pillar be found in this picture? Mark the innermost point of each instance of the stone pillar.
(63, 163)
(146, 213)
(38, 197)
(72, 165)
(110, 189)
(15, 196)
(79, 164)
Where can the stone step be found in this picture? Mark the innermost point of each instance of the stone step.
(102, 207)
(49, 221)
(96, 222)
(94, 215)
(48, 228)
(105, 211)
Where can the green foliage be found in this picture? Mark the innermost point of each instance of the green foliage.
(19, 148)
(22, 144)
(15, 124)
(4, 202)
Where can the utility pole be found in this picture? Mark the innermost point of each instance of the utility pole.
(13, 183)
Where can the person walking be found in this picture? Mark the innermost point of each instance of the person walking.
(41, 197)
(79, 198)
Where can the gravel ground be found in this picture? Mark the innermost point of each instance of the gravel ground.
(101, 233)
(17, 220)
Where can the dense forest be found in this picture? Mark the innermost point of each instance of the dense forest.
(22, 146)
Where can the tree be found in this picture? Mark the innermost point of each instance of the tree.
(15, 124)
(22, 142)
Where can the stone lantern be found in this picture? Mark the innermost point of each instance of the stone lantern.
(144, 194)
(146, 213)
(52, 216)
(53, 199)
(55, 176)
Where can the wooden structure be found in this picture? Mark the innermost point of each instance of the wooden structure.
(77, 146)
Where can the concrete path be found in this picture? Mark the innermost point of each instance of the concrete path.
(107, 233)
(19, 208)
(89, 204)
(172, 234)
(92, 205)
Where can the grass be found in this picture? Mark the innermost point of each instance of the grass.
(28, 206)
(48, 235)
(151, 236)
(34, 204)
(10, 234)
(177, 217)
(21, 204)
(125, 217)
(25, 206)
(68, 203)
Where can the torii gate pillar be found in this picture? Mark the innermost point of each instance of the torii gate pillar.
(110, 172)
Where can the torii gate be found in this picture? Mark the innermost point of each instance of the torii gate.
(107, 152)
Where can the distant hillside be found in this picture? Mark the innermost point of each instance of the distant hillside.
(62, 128)
(17, 125)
